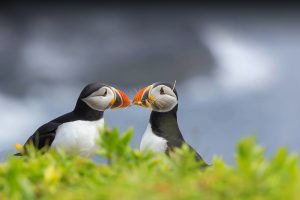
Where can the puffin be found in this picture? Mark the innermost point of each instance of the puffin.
(77, 131)
(162, 133)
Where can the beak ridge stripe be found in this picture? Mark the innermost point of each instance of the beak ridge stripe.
(121, 100)
(142, 96)
(139, 95)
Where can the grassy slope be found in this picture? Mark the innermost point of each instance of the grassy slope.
(133, 175)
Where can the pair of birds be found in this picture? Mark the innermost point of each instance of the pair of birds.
(78, 130)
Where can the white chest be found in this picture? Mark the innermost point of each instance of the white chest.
(78, 136)
(152, 142)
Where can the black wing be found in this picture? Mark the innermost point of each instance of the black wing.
(44, 136)
(178, 143)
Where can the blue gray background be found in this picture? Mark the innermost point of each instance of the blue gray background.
(237, 69)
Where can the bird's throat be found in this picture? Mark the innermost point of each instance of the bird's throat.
(164, 124)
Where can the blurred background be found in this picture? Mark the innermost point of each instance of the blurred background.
(237, 68)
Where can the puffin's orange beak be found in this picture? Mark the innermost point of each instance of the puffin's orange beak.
(142, 96)
(121, 100)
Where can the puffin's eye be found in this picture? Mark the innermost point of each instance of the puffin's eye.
(105, 93)
(162, 91)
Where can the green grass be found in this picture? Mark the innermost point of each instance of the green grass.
(135, 175)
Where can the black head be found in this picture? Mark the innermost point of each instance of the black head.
(169, 85)
(99, 97)
(160, 97)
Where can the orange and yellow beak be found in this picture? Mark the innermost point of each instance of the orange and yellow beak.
(142, 97)
(121, 100)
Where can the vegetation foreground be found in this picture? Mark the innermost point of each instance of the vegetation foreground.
(135, 175)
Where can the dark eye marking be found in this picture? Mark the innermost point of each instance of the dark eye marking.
(162, 91)
(105, 93)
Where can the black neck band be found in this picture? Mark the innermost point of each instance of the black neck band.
(86, 113)
(164, 124)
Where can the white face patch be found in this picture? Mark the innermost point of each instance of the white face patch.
(100, 100)
(164, 97)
